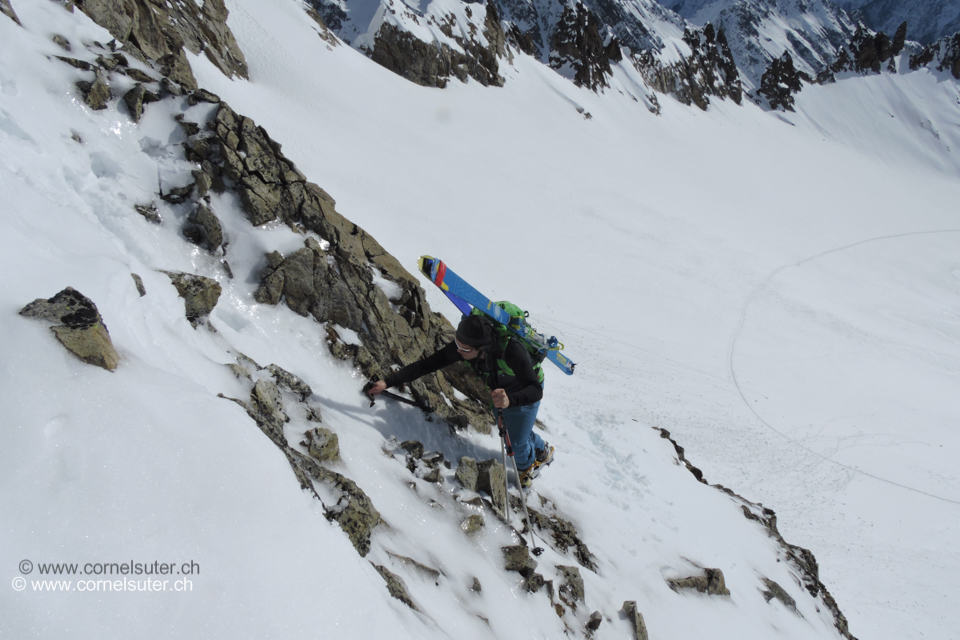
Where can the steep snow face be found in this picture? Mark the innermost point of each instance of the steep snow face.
(760, 30)
(927, 20)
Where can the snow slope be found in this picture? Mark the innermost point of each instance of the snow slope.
(783, 298)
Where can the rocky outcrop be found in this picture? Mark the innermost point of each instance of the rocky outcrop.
(781, 81)
(136, 98)
(571, 590)
(943, 55)
(491, 479)
(802, 559)
(200, 295)
(708, 71)
(636, 619)
(468, 473)
(159, 30)
(395, 586)
(7, 9)
(81, 329)
(775, 591)
(96, 94)
(583, 47)
(322, 444)
(202, 227)
(431, 64)
(711, 583)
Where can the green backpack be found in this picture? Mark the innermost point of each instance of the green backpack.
(517, 322)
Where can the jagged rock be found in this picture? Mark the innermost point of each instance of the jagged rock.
(639, 627)
(160, 31)
(138, 75)
(240, 372)
(413, 447)
(170, 87)
(178, 195)
(7, 9)
(77, 64)
(203, 182)
(774, 590)
(475, 586)
(395, 586)
(491, 479)
(149, 212)
(82, 330)
(290, 382)
(578, 43)
(419, 567)
(267, 403)
(533, 583)
(564, 534)
(945, 53)
(136, 98)
(59, 40)
(200, 294)
(323, 444)
(781, 81)
(96, 94)
(202, 95)
(571, 591)
(138, 281)
(518, 559)
(472, 523)
(203, 228)
(432, 459)
(313, 414)
(712, 583)
(594, 622)
(467, 473)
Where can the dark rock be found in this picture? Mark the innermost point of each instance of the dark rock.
(712, 583)
(472, 523)
(178, 195)
(78, 64)
(395, 586)
(571, 591)
(781, 81)
(7, 9)
(203, 228)
(82, 330)
(594, 622)
(578, 43)
(97, 94)
(433, 476)
(491, 479)
(413, 447)
(202, 95)
(639, 627)
(170, 87)
(475, 586)
(138, 75)
(136, 98)
(60, 41)
(518, 559)
(774, 590)
(323, 444)
(138, 281)
(290, 382)
(149, 212)
(200, 294)
(467, 473)
(533, 583)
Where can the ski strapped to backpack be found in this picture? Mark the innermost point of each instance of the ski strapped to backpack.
(511, 320)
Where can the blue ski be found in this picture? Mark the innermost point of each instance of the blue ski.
(466, 298)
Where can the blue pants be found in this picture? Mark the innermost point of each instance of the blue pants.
(519, 422)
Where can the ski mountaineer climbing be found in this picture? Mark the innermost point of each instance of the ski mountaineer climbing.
(506, 367)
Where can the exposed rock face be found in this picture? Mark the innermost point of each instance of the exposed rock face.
(635, 617)
(200, 294)
(517, 558)
(781, 81)
(775, 591)
(323, 444)
(944, 55)
(472, 523)
(594, 622)
(82, 330)
(203, 227)
(136, 98)
(711, 583)
(709, 70)
(395, 586)
(468, 473)
(571, 591)
(491, 479)
(138, 281)
(96, 94)
(7, 9)
(159, 30)
(578, 46)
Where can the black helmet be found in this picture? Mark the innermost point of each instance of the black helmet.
(475, 331)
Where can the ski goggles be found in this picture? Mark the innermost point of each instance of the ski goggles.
(465, 349)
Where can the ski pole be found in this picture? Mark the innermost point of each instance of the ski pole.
(523, 498)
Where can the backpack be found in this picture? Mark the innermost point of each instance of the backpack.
(506, 333)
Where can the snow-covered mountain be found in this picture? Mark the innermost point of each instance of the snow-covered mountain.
(927, 20)
(760, 300)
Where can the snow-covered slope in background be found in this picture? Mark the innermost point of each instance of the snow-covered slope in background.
(782, 298)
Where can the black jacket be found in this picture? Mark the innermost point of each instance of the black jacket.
(523, 387)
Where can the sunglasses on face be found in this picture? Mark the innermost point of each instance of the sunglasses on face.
(463, 348)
